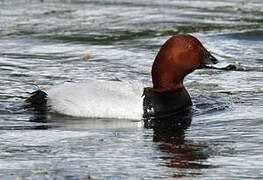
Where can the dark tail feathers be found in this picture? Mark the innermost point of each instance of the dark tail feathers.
(37, 101)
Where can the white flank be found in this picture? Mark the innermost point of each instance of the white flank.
(98, 99)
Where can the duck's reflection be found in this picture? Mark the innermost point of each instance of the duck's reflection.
(64, 122)
(186, 157)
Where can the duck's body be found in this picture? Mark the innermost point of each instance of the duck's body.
(93, 98)
(179, 56)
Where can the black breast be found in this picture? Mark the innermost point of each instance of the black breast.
(158, 105)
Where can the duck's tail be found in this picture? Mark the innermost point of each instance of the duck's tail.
(37, 101)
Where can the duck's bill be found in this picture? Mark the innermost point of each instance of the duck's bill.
(209, 60)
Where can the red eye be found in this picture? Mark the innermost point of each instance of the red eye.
(190, 46)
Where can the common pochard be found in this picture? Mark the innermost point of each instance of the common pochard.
(178, 56)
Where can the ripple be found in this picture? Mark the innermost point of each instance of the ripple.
(42, 45)
(254, 35)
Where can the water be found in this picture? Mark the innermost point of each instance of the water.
(42, 44)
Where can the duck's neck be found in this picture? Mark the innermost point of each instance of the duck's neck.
(172, 90)
(166, 84)
(167, 75)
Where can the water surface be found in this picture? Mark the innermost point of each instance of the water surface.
(42, 43)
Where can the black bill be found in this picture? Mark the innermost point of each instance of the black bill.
(209, 59)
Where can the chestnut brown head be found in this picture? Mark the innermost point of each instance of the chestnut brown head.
(178, 56)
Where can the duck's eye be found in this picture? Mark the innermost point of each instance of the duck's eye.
(190, 47)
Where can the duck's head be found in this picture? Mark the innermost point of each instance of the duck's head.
(178, 56)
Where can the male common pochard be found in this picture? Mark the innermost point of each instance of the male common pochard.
(178, 56)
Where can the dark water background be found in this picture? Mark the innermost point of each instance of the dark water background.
(42, 43)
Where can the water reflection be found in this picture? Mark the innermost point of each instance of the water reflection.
(184, 156)
(64, 122)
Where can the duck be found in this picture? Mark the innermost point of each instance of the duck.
(179, 56)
